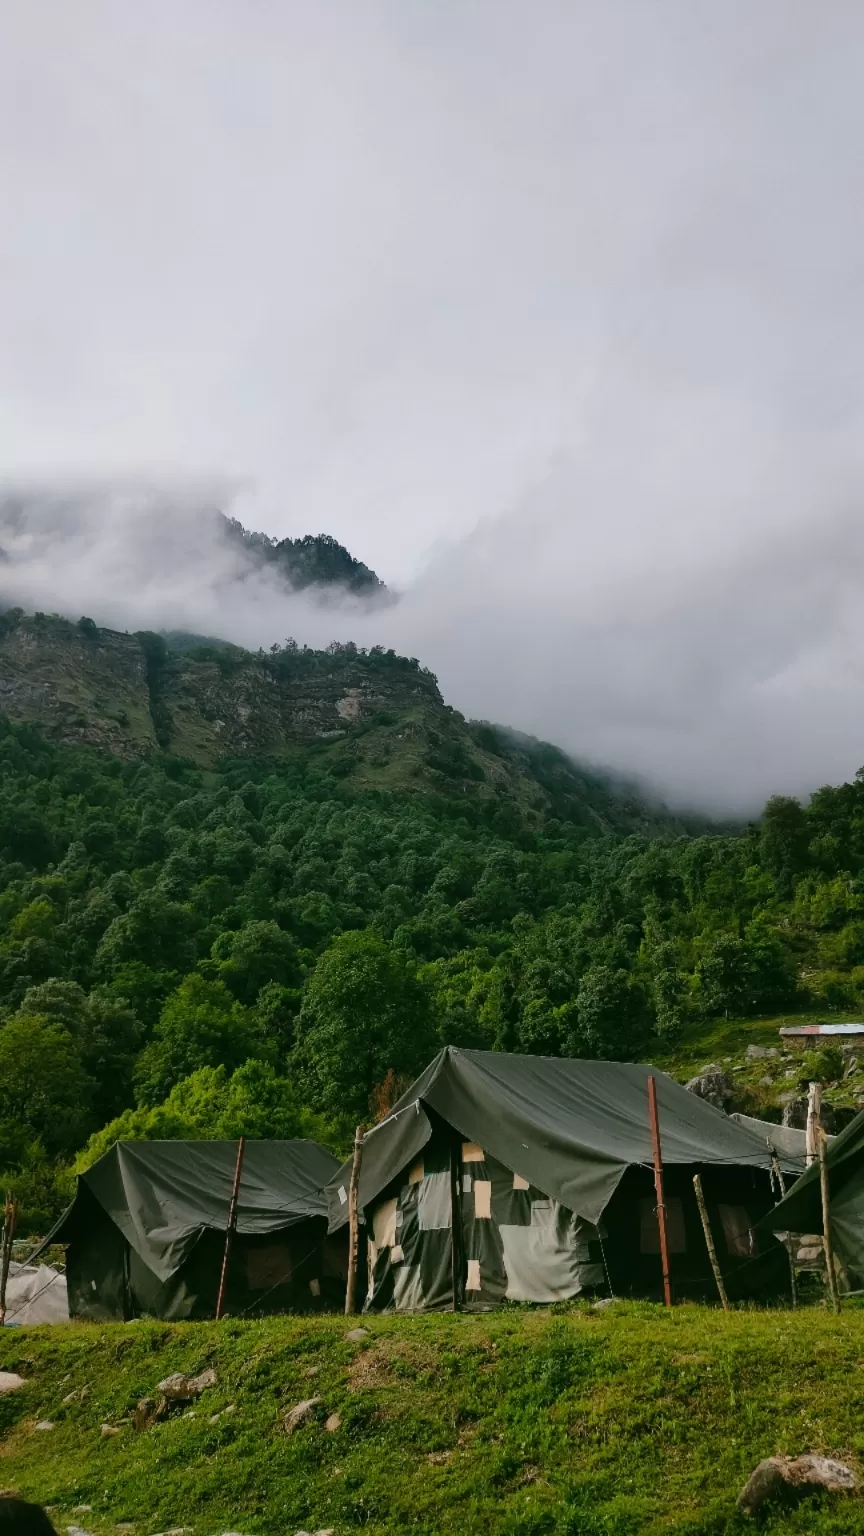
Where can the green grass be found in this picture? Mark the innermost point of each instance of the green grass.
(525, 1423)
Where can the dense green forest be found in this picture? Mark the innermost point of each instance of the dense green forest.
(266, 948)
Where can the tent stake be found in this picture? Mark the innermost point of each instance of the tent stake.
(709, 1242)
(353, 1223)
(658, 1186)
(793, 1283)
(826, 1221)
(229, 1230)
(814, 1104)
(455, 1224)
(10, 1211)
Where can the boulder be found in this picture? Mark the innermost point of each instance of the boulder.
(108, 1431)
(300, 1412)
(45, 1424)
(356, 1335)
(333, 1423)
(714, 1085)
(10, 1381)
(788, 1478)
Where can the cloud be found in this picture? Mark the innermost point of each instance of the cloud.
(552, 319)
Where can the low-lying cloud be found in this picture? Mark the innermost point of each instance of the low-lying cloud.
(550, 313)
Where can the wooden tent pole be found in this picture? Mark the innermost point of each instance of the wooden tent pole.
(455, 1223)
(658, 1186)
(793, 1283)
(709, 1242)
(814, 1105)
(10, 1211)
(353, 1223)
(826, 1221)
(229, 1230)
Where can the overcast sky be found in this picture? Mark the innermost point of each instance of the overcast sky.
(551, 312)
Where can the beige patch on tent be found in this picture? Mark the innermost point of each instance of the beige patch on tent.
(384, 1224)
(473, 1282)
(482, 1198)
(396, 1254)
(471, 1153)
(519, 1182)
(416, 1174)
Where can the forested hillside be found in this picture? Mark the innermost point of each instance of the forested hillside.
(275, 944)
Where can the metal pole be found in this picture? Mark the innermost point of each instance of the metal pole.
(455, 1225)
(353, 1223)
(826, 1221)
(793, 1283)
(229, 1230)
(814, 1105)
(658, 1186)
(10, 1211)
(709, 1242)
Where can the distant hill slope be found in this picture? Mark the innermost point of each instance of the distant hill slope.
(374, 718)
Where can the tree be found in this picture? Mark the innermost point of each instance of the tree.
(46, 1094)
(364, 1014)
(610, 1015)
(254, 955)
(106, 1033)
(784, 841)
(201, 1025)
(215, 1104)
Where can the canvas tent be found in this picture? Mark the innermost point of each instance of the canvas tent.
(543, 1169)
(146, 1230)
(801, 1211)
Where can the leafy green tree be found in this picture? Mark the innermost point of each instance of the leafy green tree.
(214, 1104)
(253, 956)
(364, 1014)
(610, 1015)
(784, 841)
(201, 1025)
(106, 1033)
(46, 1093)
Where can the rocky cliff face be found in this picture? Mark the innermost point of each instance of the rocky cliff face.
(376, 719)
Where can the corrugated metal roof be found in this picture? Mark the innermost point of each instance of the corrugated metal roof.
(805, 1030)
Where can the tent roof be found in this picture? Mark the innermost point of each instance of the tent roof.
(163, 1194)
(571, 1128)
(801, 1210)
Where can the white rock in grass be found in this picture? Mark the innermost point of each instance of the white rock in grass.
(299, 1413)
(787, 1478)
(45, 1424)
(10, 1381)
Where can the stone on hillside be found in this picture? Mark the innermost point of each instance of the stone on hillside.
(333, 1423)
(148, 1411)
(355, 1335)
(45, 1424)
(182, 1389)
(788, 1478)
(108, 1431)
(713, 1085)
(299, 1413)
(10, 1381)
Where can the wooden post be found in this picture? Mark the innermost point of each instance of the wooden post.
(353, 1223)
(10, 1211)
(814, 1105)
(826, 1221)
(793, 1283)
(658, 1186)
(709, 1242)
(455, 1225)
(229, 1230)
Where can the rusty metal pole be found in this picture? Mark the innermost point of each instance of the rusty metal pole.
(658, 1187)
(229, 1231)
(826, 1221)
(353, 1223)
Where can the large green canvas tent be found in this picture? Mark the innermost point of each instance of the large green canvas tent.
(544, 1170)
(801, 1211)
(146, 1230)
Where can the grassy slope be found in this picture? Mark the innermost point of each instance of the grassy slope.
(726, 1041)
(577, 1423)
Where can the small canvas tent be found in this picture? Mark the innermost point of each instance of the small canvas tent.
(543, 1169)
(146, 1230)
(801, 1211)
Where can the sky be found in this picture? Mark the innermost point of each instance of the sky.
(551, 313)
